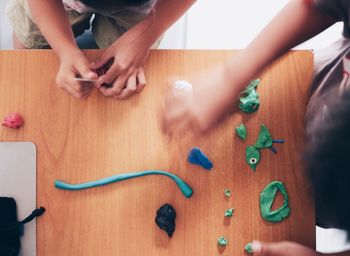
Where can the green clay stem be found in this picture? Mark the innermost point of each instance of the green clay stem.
(185, 189)
(267, 197)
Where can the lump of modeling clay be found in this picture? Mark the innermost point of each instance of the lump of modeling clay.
(229, 212)
(248, 248)
(196, 156)
(241, 132)
(252, 157)
(249, 101)
(13, 120)
(222, 241)
(227, 192)
(267, 196)
(165, 219)
(264, 138)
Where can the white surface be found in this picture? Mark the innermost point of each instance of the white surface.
(331, 240)
(18, 180)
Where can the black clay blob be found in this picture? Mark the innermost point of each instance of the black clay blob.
(165, 219)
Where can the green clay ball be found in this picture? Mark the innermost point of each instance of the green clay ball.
(227, 192)
(248, 248)
(222, 241)
(249, 101)
(229, 212)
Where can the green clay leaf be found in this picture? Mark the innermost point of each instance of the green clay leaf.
(264, 139)
(249, 101)
(267, 196)
(229, 212)
(241, 132)
(252, 157)
(248, 248)
(227, 192)
(222, 241)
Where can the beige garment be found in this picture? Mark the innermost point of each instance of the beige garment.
(107, 25)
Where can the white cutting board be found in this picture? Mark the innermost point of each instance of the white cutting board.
(18, 180)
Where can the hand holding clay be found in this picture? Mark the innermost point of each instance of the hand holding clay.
(75, 64)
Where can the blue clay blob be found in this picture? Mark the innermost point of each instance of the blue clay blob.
(196, 156)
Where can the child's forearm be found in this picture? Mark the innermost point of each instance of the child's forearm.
(296, 23)
(50, 17)
(165, 13)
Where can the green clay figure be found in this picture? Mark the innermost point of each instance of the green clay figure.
(222, 241)
(264, 139)
(249, 101)
(229, 212)
(252, 157)
(248, 248)
(241, 132)
(227, 192)
(267, 197)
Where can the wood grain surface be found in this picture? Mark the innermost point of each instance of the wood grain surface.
(80, 141)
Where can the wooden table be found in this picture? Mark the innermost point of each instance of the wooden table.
(79, 141)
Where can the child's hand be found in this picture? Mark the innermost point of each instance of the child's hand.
(202, 108)
(126, 74)
(73, 64)
(282, 249)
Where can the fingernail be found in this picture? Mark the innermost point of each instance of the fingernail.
(256, 247)
(92, 74)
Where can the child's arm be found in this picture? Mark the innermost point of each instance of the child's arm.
(130, 51)
(216, 93)
(52, 21)
(288, 249)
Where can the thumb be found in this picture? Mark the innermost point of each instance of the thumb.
(271, 249)
(85, 72)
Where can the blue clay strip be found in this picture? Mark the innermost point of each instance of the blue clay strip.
(273, 149)
(196, 156)
(185, 189)
(278, 141)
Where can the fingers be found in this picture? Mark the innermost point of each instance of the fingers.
(126, 85)
(281, 249)
(131, 87)
(74, 88)
(117, 88)
(141, 80)
(84, 71)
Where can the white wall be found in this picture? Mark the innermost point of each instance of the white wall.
(5, 28)
(233, 24)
